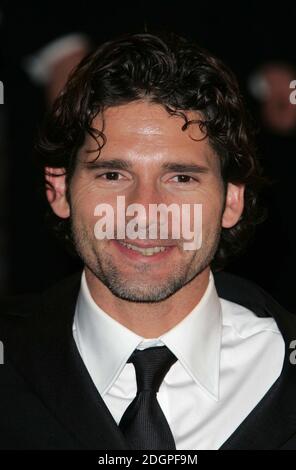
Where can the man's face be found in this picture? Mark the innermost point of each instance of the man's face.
(278, 113)
(145, 145)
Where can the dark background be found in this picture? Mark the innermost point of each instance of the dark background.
(244, 34)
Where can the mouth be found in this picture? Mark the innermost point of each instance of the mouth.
(144, 251)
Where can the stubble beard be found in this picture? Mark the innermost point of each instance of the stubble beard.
(103, 267)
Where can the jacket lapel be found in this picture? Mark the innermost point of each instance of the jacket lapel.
(272, 422)
(47, 357)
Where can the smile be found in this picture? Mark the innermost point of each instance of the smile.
(150, 251)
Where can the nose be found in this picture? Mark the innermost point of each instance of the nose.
(144, 196)
(146, 192)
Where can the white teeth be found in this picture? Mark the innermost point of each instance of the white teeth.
(144, 251)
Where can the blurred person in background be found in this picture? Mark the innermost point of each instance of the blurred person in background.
(270, 87)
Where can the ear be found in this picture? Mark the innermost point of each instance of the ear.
(56, 191)
(234, 204)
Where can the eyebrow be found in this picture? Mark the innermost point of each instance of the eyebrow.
(114, 164)
(120, 164)
(185, 167)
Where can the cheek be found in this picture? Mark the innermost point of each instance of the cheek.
(212, 200)
(85, 199)
(85, 196)
(212, 212)
(82, 212)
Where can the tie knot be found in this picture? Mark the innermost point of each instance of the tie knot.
(151, 365)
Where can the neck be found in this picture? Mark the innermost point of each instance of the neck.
(149, 320)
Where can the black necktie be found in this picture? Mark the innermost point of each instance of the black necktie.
(144, 423)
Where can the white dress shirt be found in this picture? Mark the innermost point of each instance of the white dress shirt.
(228, 358)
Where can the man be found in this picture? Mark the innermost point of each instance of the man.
(147, 349)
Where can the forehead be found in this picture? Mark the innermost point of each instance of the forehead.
(148, 129)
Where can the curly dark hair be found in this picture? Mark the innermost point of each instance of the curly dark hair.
(181, 76)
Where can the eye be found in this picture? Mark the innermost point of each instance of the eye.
(184, 179)
(110, 175)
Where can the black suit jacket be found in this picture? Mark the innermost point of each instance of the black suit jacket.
(48, 400)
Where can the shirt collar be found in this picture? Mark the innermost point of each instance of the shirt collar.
(105, 344)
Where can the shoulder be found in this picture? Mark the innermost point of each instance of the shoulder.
(245, 322)
(246, 297)
(246, 293)
(30, 308)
